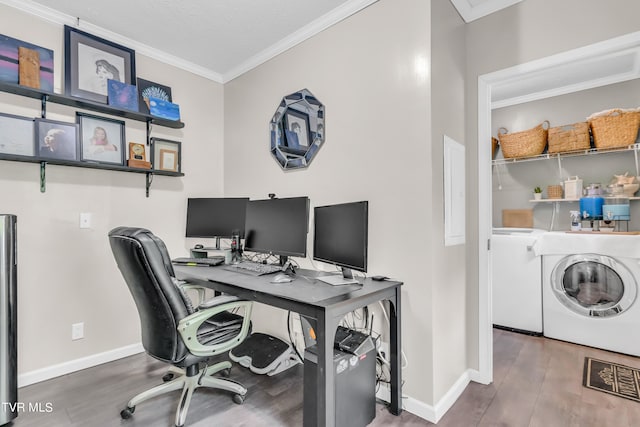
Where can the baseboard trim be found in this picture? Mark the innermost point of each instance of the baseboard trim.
(60, 369)
(427, 412)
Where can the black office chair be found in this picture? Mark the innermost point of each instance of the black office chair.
(172, 330)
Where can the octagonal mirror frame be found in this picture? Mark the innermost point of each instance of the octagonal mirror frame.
(297, 130)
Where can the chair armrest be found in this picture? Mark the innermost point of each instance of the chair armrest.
(200, 289)
(188, 327)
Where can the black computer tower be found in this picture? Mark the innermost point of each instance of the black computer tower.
(8, 320)
(355, 393)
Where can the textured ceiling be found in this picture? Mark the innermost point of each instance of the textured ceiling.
(216, 35)
(219, 39)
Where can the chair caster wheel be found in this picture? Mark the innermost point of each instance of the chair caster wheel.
(127, 413)
(225, 373)
(167, 377)
(238, 399)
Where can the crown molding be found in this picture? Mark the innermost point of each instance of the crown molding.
(325, 21)
(338, 14)
(471, 12)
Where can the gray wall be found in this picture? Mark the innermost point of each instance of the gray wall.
(377, 148)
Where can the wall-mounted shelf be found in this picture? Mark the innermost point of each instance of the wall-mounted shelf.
(591, 151)
(86, 105)
(46, 97)
(569, 200)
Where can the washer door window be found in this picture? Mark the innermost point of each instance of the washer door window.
(593, 285)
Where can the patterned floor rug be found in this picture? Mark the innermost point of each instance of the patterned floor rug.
(612, 378)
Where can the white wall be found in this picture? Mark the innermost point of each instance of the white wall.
(526, 31)
(68, 275)
(377, 148)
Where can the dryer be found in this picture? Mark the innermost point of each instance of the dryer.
(516, 284)
(590, 291)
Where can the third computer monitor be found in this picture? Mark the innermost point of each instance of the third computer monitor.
(341, 235)
(277, 227)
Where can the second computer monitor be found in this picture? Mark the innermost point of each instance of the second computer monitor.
(341, 235)
(215, 217)
(277, 227)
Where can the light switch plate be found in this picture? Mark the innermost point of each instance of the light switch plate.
(85, 220)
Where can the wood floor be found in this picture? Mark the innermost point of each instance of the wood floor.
(537, 382)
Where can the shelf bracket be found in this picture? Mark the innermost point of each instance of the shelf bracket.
(43, 108)
(149, 180)
(560, 167)
(43, 177)
(148, 133)
(635, 154)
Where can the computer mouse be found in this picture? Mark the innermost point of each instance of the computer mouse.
(281, 278)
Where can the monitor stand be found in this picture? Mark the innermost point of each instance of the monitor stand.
(346, 278)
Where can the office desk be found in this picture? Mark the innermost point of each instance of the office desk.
(326, 304)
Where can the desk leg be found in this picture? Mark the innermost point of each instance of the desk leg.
(396, 354)
(326, 376)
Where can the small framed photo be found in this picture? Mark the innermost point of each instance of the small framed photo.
(101, 139)
(16, 135)
(296, 128)
(166, 155)
(56, 140)
(90, 61)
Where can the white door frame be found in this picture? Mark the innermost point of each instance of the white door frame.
(612, 61)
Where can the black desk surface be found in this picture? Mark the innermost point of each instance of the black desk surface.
(305, 288)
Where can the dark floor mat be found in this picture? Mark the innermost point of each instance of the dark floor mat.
(612, 378)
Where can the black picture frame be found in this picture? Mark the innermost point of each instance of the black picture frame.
(148, 89)
(56, 140)
(17, 135)
(166, 155)
(102, 139)
(89, 61)
(294, 120)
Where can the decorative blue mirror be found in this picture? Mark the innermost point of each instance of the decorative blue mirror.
(297, 130)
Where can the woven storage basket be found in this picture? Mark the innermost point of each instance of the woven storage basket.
(567, 138)
(614, 128)
(554, 191)
(525, 143)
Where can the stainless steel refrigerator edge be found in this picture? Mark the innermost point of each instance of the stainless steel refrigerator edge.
(8, 319)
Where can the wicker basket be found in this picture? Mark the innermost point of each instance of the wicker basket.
(554, 191)
(614, 128)
(526, 143)
(563, 139)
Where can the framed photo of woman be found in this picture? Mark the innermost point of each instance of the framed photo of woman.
(101, 139)
(90, 61)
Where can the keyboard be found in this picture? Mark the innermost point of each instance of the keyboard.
(207, 262)
(253, 268)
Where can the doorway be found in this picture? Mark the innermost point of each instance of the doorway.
(612, 61)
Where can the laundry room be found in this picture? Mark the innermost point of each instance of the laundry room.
(565, 261)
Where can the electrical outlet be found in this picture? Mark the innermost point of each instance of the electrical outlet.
(77, 331)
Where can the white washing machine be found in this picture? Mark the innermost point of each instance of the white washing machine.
(516, 284)
(590, 290)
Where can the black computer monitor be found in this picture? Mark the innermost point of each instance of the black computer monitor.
(341, 236)
(277, 227)
(215, 217)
